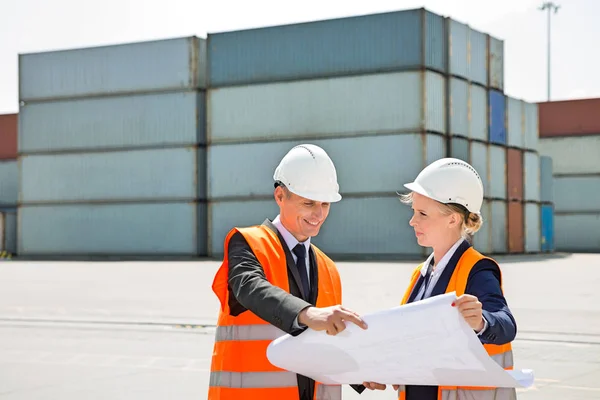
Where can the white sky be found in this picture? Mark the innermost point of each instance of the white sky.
(36, 25)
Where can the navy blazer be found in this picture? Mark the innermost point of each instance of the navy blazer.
(484, 283)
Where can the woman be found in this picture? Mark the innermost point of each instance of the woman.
(446, 200)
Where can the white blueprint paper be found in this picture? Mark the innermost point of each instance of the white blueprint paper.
(422, 343)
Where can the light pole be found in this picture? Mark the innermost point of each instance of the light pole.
(548, 5)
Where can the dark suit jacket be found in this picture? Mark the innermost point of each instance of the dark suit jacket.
(250, 290)
(484, 283)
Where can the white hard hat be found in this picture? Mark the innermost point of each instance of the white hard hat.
(307, 170)
(450, 180)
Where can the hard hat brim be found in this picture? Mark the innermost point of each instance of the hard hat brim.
(415, 187)
(325, 198)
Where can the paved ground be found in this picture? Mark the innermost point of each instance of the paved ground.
(72, 330)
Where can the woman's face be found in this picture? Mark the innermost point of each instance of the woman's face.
(431, 226)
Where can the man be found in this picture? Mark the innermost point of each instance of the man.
(274, 281)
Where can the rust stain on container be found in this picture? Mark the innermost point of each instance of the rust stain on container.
(8, 136)
(569, 118)
(516, 236)
(514, 178)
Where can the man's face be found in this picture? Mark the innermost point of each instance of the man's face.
(301, 216)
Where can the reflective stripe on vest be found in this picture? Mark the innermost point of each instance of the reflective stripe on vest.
(240, 368)
(502, 354)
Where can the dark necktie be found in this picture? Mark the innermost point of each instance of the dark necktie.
(300, 252)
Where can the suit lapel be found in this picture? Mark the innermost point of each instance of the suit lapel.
(291, 265)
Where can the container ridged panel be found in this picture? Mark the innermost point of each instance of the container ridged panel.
(532, 228)
(385, 232)
(435, 44)
(547, 217)
(171, 64)
(371, 104)
(478, 119)
(497, 123)
(10, 232)
(435, 148)
(577, 193)
(514, 111)
(355, 45)
(459, 148)
(115, 229)
(531, 134)
(499, 226)
(478, 57)
(496, 63)
(480, 161)
(458, 48)
(459, 107)
(9, 182)
(111, 123)
(225, 215)
(516, 227)
(577, 232)
(531, 171)
(482, 240)
(497, 156)
(582, 157)
(368, 164)
(156, 174)
(546, 180)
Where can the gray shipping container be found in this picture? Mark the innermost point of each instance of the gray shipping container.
(581, 157)
(531, 126)
(497, 157)
(149, 120)
(369, 164)
(516, 122)
(577, 232)
(477, 71)
(459, 148)
(171, 64)
(577, 193)
(135, 175)
(533, 238)
(531, 172)
(480, 161)
(9, 182)
(482, 240)
(495, 63)
(458, 97)
(458, 48)
(8, 232)
(478, 113)
(368, 104)
(409, 39)
(113, 229)
(546, 180)
(499, 226)
(352, 229)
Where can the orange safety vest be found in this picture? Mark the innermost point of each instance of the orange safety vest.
(240, 368)
(502, 354)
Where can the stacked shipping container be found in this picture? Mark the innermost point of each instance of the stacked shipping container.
(497, 134)
(570, 135)
(380, 114)
(336, 83)
(112, 150)
(9, 182)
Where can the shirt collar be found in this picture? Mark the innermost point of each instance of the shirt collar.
(290, 240)
(443, 262)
